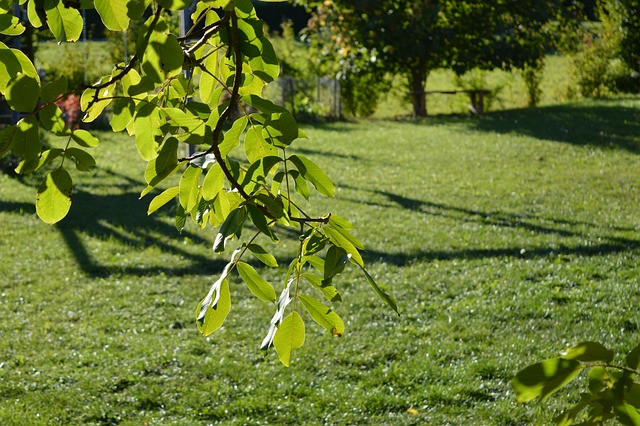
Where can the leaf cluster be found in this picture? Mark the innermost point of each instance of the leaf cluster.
(613, 390)
(240, 177)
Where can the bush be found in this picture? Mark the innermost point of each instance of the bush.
(591, 66)
(622, 79)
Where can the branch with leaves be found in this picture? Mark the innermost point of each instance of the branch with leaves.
(242, 173)
(613, 389)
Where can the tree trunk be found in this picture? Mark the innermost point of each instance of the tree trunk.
(417, 83)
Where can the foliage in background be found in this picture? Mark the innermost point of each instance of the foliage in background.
(613, 389)
(607, 61)
(443, 34)
(240, 176)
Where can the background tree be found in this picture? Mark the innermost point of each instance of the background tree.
(412, 38)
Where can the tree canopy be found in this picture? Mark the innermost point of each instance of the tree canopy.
(413, 38)
(204, 91)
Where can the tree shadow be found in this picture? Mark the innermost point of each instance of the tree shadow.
(606, 244)
(123, 218)
(607, 124)
(108, 207)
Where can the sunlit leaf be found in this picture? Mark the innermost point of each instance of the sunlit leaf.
(189, 188)
(22, 93)
(544, 378)
(262, 255)
(324, 316)
(85, 139)
(231, 226)
(54, 196)
(83, 160)
(339, 240)
(257, 285)
(289, 336)
(314, 174)
(380, 292)
(213, 182)
(588, 352)
(163, 198)
(216, 311)
(64, 22)
(113, 13)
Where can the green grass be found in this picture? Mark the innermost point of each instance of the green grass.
(504, 239)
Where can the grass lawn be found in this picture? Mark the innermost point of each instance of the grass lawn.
(504, 238)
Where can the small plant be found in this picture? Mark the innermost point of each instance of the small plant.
(613, 390)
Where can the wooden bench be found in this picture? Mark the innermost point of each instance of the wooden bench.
(476, 97)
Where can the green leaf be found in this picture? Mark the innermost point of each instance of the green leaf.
(113, 13)
(214, 308)
(174, 4)
(123, 110)
(544, 378)
(260, 221)
(626, 413)
(597, 378)
(334, 263)
(181, 218)
(163, 57)
(256, 147)
(258, 286)
(340, 222)
(324, 316)
(633, 358)
(84, 161)
(283, 302)
(328, 291)
(380, 292)
(22, 93)
(85, 139)
(314, 174)
(51, 118)
(189, 188)
(339, 240)
(262, 255)
(232, 137)
(163, 198)
(7, 138)
(213, 182)
(147, 124)
(301, 184)
(289, 336)
(231, 226)
(36, 19)
(211, 315)
(54, 196)
(52, 91)
(65, 23)
(13, 63)
(93, 101)
(266, 66)
(26, 139)
(589, 352)
(165, 164)
(10, 25)
(28, 166)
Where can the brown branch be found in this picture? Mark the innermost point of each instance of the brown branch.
(208, 33)
(215, 149)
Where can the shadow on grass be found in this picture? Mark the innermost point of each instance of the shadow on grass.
(99, 213)
(604, 245)
(605, 124)
(123, 217)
